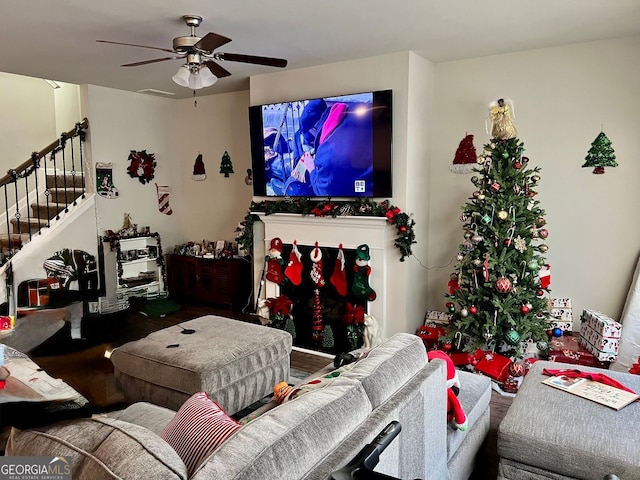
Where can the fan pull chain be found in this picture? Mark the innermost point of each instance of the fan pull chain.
(195, 102)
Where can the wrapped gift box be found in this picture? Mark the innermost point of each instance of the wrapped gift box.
(430, 336)
(602, 324)
(433, 318)
(604, 349)
(560, 303)
(567, 349)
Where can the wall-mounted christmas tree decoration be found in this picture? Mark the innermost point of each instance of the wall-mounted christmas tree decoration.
(600, 155)
(142, 166)
(498, 290)
(465, 159)
(225, 166)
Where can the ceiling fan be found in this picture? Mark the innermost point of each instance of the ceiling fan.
(199, 53)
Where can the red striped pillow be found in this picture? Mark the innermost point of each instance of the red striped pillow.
(197, 429)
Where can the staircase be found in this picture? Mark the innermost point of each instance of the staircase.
(40, 190)
(61, 191)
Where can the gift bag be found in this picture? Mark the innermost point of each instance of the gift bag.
(492, 364)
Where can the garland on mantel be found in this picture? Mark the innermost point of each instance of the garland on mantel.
(405, 234)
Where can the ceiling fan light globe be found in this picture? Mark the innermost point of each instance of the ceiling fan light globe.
(207, 77)
(182, 76)
(195, 82)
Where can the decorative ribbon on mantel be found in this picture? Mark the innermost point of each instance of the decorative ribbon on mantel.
(404, 224)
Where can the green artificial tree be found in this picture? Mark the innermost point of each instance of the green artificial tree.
(496, 284)
(601, 154)
(226, 167)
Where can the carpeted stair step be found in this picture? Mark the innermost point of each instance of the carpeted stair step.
(25, 225)
(64, 195)
(43, 210)
(64, 181)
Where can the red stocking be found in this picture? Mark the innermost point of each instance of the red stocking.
(339, 276)
(294, 267)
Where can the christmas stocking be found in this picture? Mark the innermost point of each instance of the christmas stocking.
(339, 276)
(545, 276)
(294, 267)
(104, 180)
(163, 199)
(362, 271)
(316, 268)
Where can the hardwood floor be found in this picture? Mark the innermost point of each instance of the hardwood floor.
(83, 365)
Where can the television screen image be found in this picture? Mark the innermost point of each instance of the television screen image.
(336, 146)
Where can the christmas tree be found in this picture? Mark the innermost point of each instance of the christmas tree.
(601, 154)
(496, 284)
(225, 166)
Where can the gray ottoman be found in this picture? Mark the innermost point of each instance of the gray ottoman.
(237, 363)
(551, 434)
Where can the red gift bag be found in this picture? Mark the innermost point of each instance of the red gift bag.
(492, 365)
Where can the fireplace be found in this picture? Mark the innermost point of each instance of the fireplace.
(329, 233)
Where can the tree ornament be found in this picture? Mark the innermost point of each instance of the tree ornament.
(600, 155)
(477, 238)
(477, 262)
(524, 309)
(533, 265)
(556, 332)
(520, 244)
(539, 292)
(451, 307)
(464, 218)
(495, 187)
(541, 222)
(503, 214)
(517, 165)
(543, 248)
(535, 179)
(503, 285)
(460, 257)
(543, 232)
(464, 312)
(481, 196)
(225, 165)
(542, 345)
(473, 309)
(516, 369)
(465, 157)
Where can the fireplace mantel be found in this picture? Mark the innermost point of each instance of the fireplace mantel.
(350, 231)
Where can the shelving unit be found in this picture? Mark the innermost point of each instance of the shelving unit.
(137, 268)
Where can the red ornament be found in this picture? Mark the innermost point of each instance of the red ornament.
(516, 369)
(517, 165)
(473, 309)
(449, 304)
(503, 285)
(403, 228)
(507, 242)
(447, 347)
(543, 232)
(540, 292)
(525, 309)
(495, 187)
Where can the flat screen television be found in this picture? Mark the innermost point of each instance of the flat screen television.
(338, 146)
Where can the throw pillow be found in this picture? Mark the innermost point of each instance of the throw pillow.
(197, 429)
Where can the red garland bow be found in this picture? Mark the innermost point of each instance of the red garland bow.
(354, 314)
(391, 214)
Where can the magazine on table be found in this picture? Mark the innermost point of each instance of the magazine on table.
(607, 395)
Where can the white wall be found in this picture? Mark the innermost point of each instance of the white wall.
(122, 121)
(401, 71)
(216, 205)
(562, 97)
(27, 117)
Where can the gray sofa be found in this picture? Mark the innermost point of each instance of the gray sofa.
(305, 438)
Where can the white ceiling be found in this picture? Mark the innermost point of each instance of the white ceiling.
(57, 40)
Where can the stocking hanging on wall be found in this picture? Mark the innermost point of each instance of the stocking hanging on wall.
(226, 166)
(339, 276)
(104, 180)
(164, 191)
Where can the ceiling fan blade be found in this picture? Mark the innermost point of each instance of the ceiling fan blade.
(216, 69)
(211, 41)
(134, 45)
(145, 62)
(237, 57)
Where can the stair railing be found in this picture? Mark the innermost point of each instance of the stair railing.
(29, 186)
